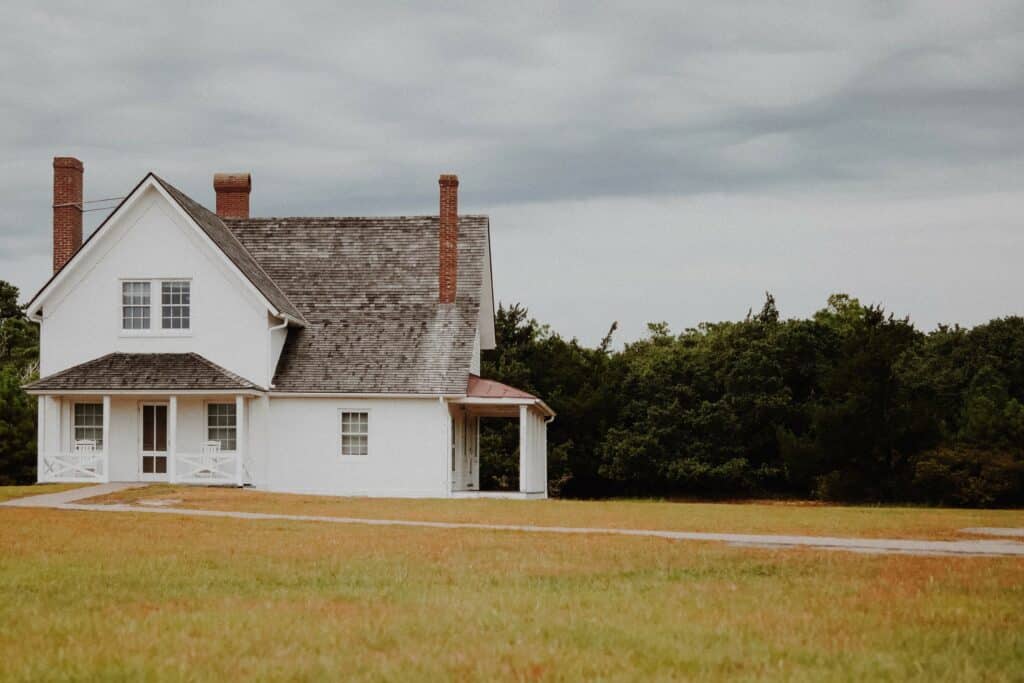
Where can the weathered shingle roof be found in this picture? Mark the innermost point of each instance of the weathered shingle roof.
(159, 371)
(479, 387)
(368, 289)
(214, 227)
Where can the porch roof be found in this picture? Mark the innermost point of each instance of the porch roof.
(488, 397)
(143, 371)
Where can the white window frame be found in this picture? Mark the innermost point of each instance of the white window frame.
(206, 422)
(101, 443)
(369, 435)
(123, 306)
(156, 328)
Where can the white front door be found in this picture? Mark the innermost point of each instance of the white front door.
(153, 442)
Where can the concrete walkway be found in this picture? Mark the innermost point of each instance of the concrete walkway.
(983, 548)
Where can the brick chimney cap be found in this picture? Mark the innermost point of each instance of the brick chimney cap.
(448, 179)
(232, 182)
(68, 162)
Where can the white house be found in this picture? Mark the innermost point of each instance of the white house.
(315, 355)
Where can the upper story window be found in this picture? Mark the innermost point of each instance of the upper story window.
(140, 309)
(135, 304)
(175, 305)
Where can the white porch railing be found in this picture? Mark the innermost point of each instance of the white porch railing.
(83, 464)
(210, 466)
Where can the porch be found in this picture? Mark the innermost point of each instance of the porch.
(99, 438)
(175, 418)
(490, 399)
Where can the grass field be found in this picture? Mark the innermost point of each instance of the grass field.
(10, 492)
(768, 518)
(125, 596)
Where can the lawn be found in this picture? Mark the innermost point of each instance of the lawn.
(757, 517)
(11, 492)
(125, 596)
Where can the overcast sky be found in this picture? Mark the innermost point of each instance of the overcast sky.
(668, 161)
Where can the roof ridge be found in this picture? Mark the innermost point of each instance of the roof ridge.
(351, 218)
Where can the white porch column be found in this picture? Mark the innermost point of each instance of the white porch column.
(106, 437)
(172, 439)
(544, 452)
(524, 448)
(40, 436)
(240, 440)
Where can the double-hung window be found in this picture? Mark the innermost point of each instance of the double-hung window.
(355, 433)
(140, 308)
(221, 425)
(175, 304)
(135, 305)
(88, 424)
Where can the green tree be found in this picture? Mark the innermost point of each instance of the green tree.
(19, 363)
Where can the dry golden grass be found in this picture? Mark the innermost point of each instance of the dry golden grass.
(760, 517)
(122, 596)
(11, 492)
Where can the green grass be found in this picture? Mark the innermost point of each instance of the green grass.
(122, 596)
(12, 492)
(755, 517)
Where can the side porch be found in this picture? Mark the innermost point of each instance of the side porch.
(490, 399)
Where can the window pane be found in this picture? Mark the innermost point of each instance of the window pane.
(88, 423)
(160, 440)
(175, 297)
(355, 428)
(135, 305)
(147, 429)
(220, 425)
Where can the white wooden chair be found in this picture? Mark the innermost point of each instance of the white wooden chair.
(84, 455)
(208, 458)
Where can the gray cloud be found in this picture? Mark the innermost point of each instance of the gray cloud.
(617, 125)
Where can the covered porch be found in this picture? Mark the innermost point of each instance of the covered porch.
(490, 399)
(119, 418)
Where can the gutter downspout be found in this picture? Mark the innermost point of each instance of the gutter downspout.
(270, 350)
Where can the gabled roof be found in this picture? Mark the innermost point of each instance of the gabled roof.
(141, 371)
(214, 228)
(365, 291)
(368, 288)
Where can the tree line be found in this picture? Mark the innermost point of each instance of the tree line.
(853, 404)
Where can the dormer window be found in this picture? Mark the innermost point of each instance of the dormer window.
(139, 308)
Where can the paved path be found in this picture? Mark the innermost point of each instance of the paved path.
(984, 548)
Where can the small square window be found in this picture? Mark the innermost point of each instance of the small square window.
(355, 433)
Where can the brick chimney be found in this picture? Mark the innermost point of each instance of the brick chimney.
(448, 274)
(232, 194)
(67, 209)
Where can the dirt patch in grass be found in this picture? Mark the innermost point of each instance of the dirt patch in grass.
(758, 518)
